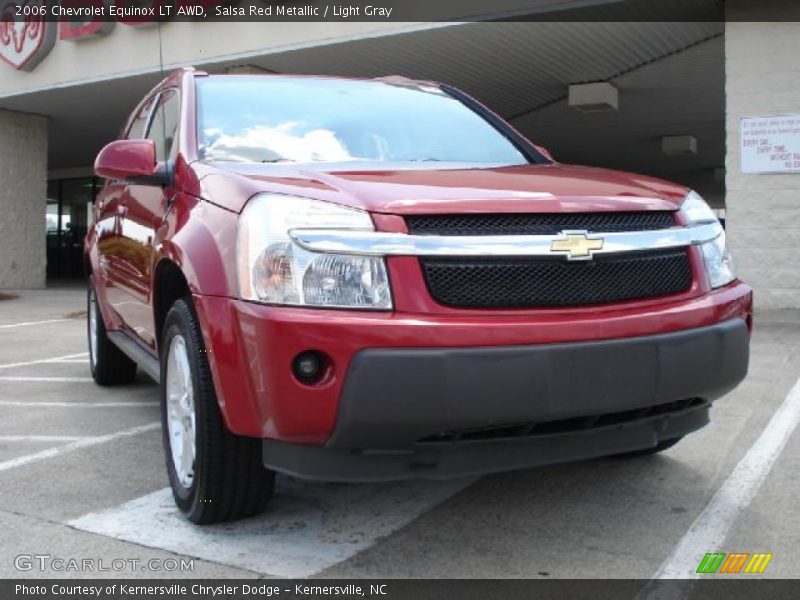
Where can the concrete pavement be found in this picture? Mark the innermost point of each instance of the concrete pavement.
(95, 485)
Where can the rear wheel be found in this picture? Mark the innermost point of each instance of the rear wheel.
(215, 476)
(660, 447)
(109, 365)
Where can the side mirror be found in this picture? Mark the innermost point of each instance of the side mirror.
(544, 152)
(131, 160)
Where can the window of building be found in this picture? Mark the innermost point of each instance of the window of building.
(68, 210)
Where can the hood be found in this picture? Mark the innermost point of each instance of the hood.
(434, 190)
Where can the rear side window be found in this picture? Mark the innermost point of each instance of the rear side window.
(164, 125)
(138, 126)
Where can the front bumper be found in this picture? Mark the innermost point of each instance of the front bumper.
(251, 347)
(449, 412)
(477, 457)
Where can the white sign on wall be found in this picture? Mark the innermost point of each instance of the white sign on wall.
(770, 144)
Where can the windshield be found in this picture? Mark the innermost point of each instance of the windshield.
(308, 120)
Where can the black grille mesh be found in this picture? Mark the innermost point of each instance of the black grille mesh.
(524, 283)
(538, 224)
(550, 282)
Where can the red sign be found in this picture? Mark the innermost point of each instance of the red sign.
(25, 35)
(28, 28)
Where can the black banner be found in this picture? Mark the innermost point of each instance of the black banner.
(734, 588)
(93, 13)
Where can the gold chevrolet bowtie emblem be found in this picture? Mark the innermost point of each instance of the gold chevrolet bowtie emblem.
(577, 245)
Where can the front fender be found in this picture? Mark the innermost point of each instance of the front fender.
(200, 238)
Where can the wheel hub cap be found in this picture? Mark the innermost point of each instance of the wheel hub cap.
(93, 328)
(180, 411)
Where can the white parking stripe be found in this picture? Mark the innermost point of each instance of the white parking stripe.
(76, 445)
(709, 530)
(307, 527)
(53, 359)
(42, 438)
(26, 324)
(34, 403)
(49, 379)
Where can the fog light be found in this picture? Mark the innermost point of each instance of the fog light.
(309, 366)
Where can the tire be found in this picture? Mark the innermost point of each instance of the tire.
(220, 478)
(109, 365)
(660, 447)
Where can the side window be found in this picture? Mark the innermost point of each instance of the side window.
(139, 125)
(164, 126)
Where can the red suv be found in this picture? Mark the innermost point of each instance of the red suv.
(363, 280)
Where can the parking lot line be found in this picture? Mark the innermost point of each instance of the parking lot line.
(49, 404)
(306, 528)
(49, 379)
(42, 438)
(711, 527)
(29, 323)
(52, 359)
(76, 445)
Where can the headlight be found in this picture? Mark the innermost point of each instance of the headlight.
(717, 257)
(719, 262)
(274, 270)
(696, 209)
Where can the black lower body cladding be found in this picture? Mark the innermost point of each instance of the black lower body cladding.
(602, 397)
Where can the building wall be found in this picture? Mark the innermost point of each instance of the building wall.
(107, 56)
(23, 188)
(763, 211)
(126, 50)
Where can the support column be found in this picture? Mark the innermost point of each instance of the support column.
(23, 189)
(763, 211)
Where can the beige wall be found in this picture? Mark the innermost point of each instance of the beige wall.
(23, 186)
(763, 78)
(127, 50)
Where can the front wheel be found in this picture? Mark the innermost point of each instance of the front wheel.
(215, 476)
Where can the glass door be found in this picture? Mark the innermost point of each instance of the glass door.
(68, 212)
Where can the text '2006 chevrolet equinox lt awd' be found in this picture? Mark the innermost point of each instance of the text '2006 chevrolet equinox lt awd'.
(366, 280)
